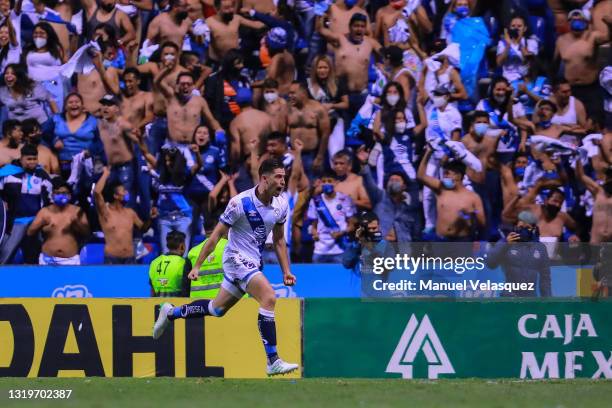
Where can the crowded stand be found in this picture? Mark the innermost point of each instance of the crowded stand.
(443, 121)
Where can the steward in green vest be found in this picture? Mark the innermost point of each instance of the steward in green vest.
(211, 273)
(168, 273)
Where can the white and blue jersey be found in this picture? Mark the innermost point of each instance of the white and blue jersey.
(250, 222)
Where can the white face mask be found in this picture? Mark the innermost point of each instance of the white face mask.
(393, 99)
(439, 101)
(270, 97)
(169, 57)
(40, 42)
(400, 128)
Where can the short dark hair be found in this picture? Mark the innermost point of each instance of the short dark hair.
(400, 174)
(477, 114)
(549, 103)
(344, 153)
(455, 166)
(29, 150)
(366, 217)
(174, 239)
(329, 174)
(133, 71)
(168, 44)
(554, 191)
(184, 74)
(9, 125)
(269, 165)
(558, 82)
(303, 85)
(28, 126)
(357, 18)
(395, 55)
(277, 136)
(59, 182)
(270, 83)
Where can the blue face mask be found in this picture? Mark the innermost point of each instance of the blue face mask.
(481, 128)
(126, 198)
(551, 175)
(527, 234)
(462, 11)
(578, 25)
(107, 63)
(328, 188)
(448, 183)
(519, 172)
(350, 3)
(61, 200)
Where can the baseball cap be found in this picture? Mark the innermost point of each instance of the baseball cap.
(109, 100)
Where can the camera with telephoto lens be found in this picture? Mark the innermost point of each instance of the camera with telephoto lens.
(365, 219)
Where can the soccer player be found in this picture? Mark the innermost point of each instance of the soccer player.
(249, 218)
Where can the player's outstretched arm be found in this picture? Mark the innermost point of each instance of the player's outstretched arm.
(220, 230)
(280, 247)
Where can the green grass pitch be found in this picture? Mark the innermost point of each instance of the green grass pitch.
(319, 393)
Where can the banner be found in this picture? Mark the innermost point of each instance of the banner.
(457, 339)
(112, 338)
(106, 281)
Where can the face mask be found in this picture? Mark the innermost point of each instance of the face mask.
(374, 236)
(271, 97)
(527, 234)
(545, 124)
(551, 175)
(500, 99)
(40, 42)
(608, 188)
(181, 15)
(513, 33)
(394, 187)
(519, 172)
(552, 210)
(169, 57)
(126, 198)
(227, 17)
(350, 3)
(439, 101)
(107, 63)
(481, 128)
(400, 128)
(60, 199)
(462, 11)
(107, 7)
(448, 183)
(578, 25)
(328, 189)
(393, 99)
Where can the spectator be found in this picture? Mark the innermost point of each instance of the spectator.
(532, 87)
(350, 183)
(10, 50)
(274, 106)
(514, 50)
(458, 9)
(25, 191)
(63, 226)
(330, 212)
(570, 110)
(74, 131)
(23, 97)
(12, 141)
(173, 209)
(117, 221)
(32, 134)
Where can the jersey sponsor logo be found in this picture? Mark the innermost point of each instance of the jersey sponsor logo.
(420, 336)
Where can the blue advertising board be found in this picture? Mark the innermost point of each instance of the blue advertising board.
(313, 281)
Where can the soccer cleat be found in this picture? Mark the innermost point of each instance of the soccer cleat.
(162, 320)
(280, 367)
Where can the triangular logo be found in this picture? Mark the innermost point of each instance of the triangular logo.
(416, 337)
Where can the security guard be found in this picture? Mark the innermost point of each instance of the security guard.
(211, 273)
(168, 272)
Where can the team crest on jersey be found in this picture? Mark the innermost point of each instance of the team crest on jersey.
(252, 213)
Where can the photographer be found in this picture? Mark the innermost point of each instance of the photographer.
(367, 236)
(522, 258)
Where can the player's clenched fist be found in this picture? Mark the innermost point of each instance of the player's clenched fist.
(289, 279)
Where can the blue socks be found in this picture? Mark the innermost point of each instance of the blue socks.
(267, 330)
(199, 308)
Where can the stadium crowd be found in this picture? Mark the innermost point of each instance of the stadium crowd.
(123, 120)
